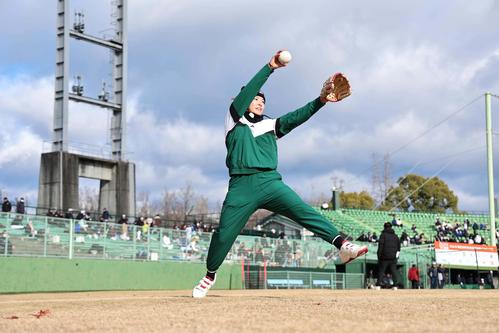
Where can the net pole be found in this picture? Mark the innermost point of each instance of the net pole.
(490, 168)
(242, 273)
(265, 273)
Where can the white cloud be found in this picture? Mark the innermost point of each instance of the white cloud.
(19, 148)
(156, 179)
(175, 141)
(472, 203)
(410, 65)
(26, 100)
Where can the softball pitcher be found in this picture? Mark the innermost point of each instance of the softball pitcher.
(251, 142)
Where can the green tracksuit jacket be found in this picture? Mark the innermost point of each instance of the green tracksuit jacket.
(252, 163)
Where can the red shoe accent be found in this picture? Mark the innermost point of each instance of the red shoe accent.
(362, 251)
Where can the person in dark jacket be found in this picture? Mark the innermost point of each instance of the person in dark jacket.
(20, 208)
(388, 253)
(6, 205)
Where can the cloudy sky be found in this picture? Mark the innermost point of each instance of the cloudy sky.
(412, 64)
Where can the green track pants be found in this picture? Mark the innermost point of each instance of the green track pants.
(261, 190)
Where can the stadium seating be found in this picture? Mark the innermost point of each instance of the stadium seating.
(355, 221)
(102, 240)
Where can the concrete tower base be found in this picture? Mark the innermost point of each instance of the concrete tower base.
(117, 182)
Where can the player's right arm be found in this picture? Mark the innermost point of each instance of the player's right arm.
(248, 92)
(251, 89)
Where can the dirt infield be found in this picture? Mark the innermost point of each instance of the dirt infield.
(254, 311)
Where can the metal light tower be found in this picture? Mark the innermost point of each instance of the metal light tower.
(60, 170)
(490, 168)
(118, 46)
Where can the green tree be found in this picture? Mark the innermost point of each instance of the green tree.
(361, 200)
(415, 192)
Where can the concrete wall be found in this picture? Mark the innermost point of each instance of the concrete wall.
(45, 274)
(117, 188)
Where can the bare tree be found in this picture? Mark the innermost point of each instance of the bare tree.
(176, 206)
(168, 202)
(201, 206)
(387, 178)
(381, 177)
(186, 199)
(145, 206)
(89, 199)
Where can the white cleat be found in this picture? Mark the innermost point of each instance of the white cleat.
(201, 289)
(350, 251)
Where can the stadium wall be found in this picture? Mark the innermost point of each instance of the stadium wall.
(20, 275)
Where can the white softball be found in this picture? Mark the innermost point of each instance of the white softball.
(284, 57)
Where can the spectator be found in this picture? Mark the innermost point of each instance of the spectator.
(82, 226)
(167, 243)
(30, 229)
(6, 205)
(188, 232)
(433, 275)
(124, 227)
(404, 238)
(460, 280)
(69, 214)
(59, 213)
(370, 280)
(147, 225)
(298, 256)
(388, 253)
(139, 223)
(362, 237)
(417, 239)
(466, 224)
(441, 276)
(192, 248)
(20, 209)
(478, 239)
(470, 240)
(105, 217)
(413, 276)
(80, 215)
(157, 221)
(422, 239)
(388, 281)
